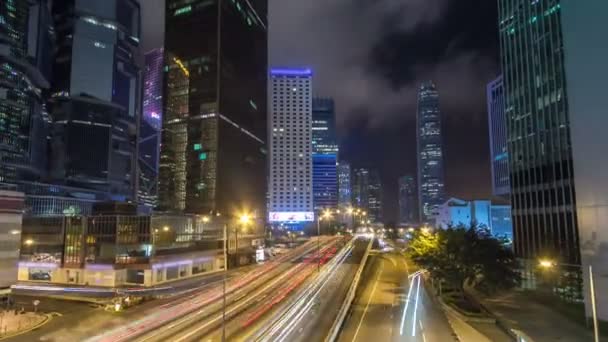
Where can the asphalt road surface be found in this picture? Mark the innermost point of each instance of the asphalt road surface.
(383, 311)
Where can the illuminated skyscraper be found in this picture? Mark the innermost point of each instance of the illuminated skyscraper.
(498, 137)
(407, 200)
(149, 129)
(153, 87)
(290, 126)
(213, 155)
(360, 184)
(374, 205)
(96, 95)
(538, 127)
(25, 65)
(325, 154)
(430, 152)
(345, 195)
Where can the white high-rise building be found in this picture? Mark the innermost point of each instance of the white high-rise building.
(290, 132)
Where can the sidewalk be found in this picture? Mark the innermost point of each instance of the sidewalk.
(11, 324)
(539, 322)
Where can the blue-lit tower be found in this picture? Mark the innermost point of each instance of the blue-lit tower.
(324, 154)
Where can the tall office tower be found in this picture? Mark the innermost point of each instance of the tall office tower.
(584, 29)
(324, 154)
(498, 138)
(374, 197)
(345, 195)
(149, 128)
(407, 200)
(153, 88)
(430, 152)
(25, 65)
(538, 127)
(360, 188)
(96, 100)
(213, 155)
(290, 126)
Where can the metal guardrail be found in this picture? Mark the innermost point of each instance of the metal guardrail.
(350, 296)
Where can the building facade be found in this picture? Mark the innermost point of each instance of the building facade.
(325, 154)
(25, 70)
(430, 152)
(408, 212)
(11, 215)
(584, 25)
(374, 197)
(213, 155)
(538, 128)
(96, 95)
(360, 188)
(498, 138)
(290, 127)
(150, 128)
(116, 247)
(345, 195)
(367, 193)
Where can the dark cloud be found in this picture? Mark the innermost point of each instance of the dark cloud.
(370, 55)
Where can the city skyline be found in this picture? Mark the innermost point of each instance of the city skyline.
(473, 57)
(267, 170)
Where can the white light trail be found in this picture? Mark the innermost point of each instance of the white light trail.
(416, 306)
(407, 301)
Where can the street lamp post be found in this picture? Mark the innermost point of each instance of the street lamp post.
(326, 215)
(224, 284)
(243, 219)
(548, 264)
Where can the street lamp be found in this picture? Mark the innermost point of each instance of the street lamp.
(549, 264)
(326, 215)
(244, 220)
(29, 242)
(166, 228)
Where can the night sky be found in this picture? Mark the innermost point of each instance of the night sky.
(370, 55)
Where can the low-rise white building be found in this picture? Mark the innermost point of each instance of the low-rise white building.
(482, 213)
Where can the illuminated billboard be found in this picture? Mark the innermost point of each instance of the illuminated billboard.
(301, 216)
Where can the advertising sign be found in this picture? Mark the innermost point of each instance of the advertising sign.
(279, 216)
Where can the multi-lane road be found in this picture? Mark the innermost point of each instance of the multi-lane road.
(393, 304)
(295, 297)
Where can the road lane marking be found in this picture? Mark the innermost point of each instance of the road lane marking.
(369, 301)
(416, 306)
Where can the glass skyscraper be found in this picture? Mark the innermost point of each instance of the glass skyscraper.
(430, 152)
(325, 154)
(538, 127)
(374, 205)
(25, 69)
(213, 155)
(360, 188)
(149, 128)
(96, 100)
(407, 200)
(497, 123)
(345, 196)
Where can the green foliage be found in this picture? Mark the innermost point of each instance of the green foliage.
(460, 256)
